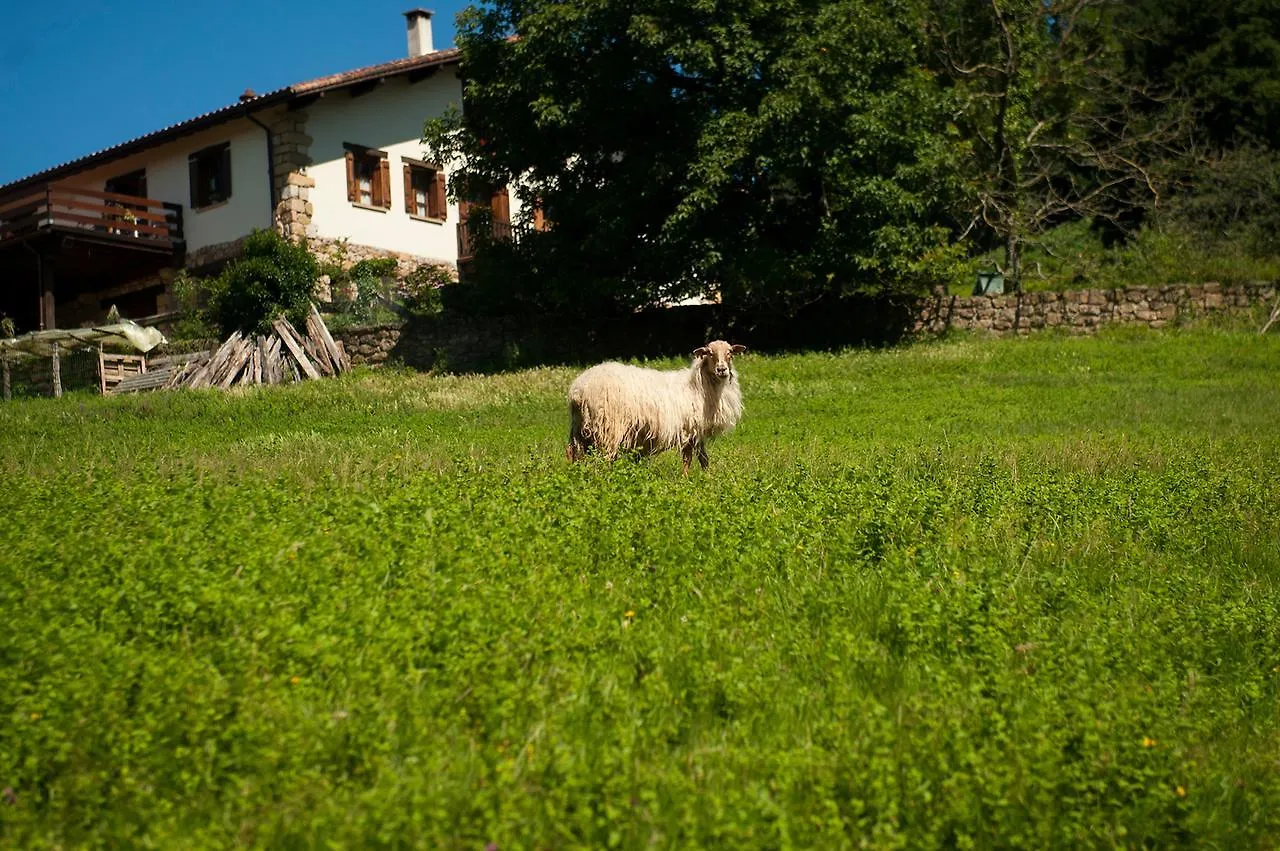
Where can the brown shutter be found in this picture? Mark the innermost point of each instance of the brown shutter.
(353, 189)
(501, 203)
(224, 172)
(383, 199)
(193, 175)
(439, 199)
(410, 205)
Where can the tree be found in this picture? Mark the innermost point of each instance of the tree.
(775, 150)
(1054, 127)
(1223, 57)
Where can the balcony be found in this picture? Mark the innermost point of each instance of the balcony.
(481, 229)
(88, 214)
(67, 254)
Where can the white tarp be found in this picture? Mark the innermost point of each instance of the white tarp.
(122, 333)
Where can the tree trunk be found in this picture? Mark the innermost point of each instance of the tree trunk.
(1013, 260)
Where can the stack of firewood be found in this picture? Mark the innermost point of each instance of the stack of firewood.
(281, 356)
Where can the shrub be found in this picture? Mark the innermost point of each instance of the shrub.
(420, 290)
(272, 277)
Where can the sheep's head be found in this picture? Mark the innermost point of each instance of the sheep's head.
(717, 358)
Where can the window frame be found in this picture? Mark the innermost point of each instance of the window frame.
(200, 159)
(380, 177)
(437, 202)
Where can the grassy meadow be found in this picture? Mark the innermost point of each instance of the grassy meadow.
(967, 594)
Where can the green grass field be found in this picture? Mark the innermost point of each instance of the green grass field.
(1019, 593)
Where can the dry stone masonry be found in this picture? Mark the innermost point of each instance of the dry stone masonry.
(1084, 311)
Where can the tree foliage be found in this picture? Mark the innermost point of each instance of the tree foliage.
(1055, 126)
(775, 151)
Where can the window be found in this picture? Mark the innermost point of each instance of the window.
(424, 191)
(134, 183)
(368, 177)
(210, 173)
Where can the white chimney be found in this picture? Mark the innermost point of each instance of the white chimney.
(419, 21)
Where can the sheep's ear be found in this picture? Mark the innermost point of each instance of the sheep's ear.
(737, 349)
(701, 352)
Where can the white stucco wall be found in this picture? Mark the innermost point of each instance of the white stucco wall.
(168, 180)
(390, 119)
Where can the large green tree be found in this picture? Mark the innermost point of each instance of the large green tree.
(1224, 58)
(776, 150)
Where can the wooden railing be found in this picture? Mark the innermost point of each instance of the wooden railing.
(483, 229)
(106, 214)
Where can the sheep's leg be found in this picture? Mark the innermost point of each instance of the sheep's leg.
(577, 447)
(702, 456)
(686, 455)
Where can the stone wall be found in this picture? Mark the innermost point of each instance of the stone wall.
(465, 344)
(347, 254)
(1085, 311)
(371, 345)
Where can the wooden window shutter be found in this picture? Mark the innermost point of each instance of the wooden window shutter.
(501, 204)
(353, 190)
(224, 172)
(193, 175)
(438, 208)
(383, 198)
(410, 203)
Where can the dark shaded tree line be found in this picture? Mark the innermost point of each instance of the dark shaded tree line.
(781, 152)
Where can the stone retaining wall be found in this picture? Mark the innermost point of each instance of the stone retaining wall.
(1084, 311)
(494, 343)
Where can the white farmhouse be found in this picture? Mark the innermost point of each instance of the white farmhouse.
(334, 159)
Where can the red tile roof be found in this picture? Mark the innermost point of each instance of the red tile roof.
(243, 107)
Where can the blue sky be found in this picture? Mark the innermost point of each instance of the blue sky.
(79, 76)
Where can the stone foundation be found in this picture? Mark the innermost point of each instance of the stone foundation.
(347, 254)
(1085, 311)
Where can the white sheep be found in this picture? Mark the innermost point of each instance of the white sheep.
(614, 407)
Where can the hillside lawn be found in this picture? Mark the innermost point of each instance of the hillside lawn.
(971, 593)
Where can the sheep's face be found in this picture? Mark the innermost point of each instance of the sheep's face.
(717, 358)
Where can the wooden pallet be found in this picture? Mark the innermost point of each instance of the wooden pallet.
(114, 369)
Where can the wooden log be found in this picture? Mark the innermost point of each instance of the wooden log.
(57, 373)
(8, 391)
(289, 337)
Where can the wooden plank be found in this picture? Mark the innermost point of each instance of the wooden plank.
(235, 364)
(61, 217)
(316, 348)
(287, 336)
(112, 212)
(277, 360)
(35, 199)
(219, 359)
(153, 380)
(340, 363)
(62, 188)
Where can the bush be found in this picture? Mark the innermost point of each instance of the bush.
(191, 298)
(272, 277)
(420, 290)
